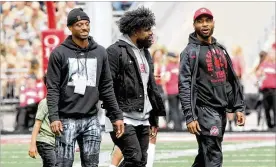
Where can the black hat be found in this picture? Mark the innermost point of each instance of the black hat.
(76, 15)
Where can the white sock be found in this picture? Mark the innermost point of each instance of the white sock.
(151, 155)
(112, 166)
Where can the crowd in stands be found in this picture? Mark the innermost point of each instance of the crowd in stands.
(21, 52)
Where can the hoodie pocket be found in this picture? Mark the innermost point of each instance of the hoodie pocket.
(67, 93)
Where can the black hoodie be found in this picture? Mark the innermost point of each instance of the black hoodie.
(67, 62)
(211, 79)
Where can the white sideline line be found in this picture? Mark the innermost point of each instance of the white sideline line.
(105, 156)
(224, 161)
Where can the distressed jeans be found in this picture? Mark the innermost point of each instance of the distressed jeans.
(86, 131)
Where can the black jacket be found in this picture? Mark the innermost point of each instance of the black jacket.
(129, 88)
(187, 80)
(66, 63)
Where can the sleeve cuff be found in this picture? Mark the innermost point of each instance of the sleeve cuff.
(53, 118)
(115, 117)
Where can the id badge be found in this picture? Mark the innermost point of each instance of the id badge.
(80, 86)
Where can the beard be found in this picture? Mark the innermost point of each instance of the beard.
(81, 37)
(204, 36)
(144, 43)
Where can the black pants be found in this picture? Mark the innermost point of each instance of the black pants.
(134, 145)
(269, 102)
(175, 114)
(47, 154)
(212, 124)
(25, 116)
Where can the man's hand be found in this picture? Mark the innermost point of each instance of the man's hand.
(56, 127)
(193, 127)
(119, 128)
(33, 151)
(153, 132)
(240, 118)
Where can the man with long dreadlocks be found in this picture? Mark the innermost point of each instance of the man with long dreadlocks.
(134, 85)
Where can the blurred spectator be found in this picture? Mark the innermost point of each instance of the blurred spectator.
(61, 15)
(16, 59)
(1, 8)
(21, 10)
(23, 44)
(10, 85)
(262, 57)
(30, 96)
(69, 6)
(38, 19)
(3, 51)
(63, 8)
(158, 57)
(121, 5)
(7, 18)
(6, 12)
(238, 65)
(171, 89)
(267, 75)
(238, 61)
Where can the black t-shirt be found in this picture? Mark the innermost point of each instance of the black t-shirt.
(211, 81)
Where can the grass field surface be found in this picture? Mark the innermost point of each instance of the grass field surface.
(173, 150)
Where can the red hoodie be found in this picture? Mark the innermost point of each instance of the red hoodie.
(238, 65)
(269, 80)
(172, 84)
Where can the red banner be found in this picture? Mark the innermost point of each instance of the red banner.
(50, 40)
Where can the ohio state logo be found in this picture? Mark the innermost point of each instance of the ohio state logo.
(214, 131)
(203, 10)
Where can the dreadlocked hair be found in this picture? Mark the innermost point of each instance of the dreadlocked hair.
(136, 19)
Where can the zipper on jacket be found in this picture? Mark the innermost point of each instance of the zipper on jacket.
(193, 81)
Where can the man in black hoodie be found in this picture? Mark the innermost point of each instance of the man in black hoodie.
(207, 87)
(78, 76)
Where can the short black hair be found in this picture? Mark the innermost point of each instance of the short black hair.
(136, 19)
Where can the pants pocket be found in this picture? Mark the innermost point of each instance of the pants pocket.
(211, 122)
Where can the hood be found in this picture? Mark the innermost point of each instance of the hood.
(69, 43)
(126, 38)
(193, 39)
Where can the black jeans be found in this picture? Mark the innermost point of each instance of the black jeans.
(134, 145)
(269, 102)
(86, 131)
(47, 154)
(212, 124)
(175, 114)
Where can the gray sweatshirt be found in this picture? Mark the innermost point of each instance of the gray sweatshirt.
(136, 118)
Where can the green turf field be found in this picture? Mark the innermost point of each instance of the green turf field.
(168, 154)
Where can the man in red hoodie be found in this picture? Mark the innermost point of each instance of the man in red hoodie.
(208, 86)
